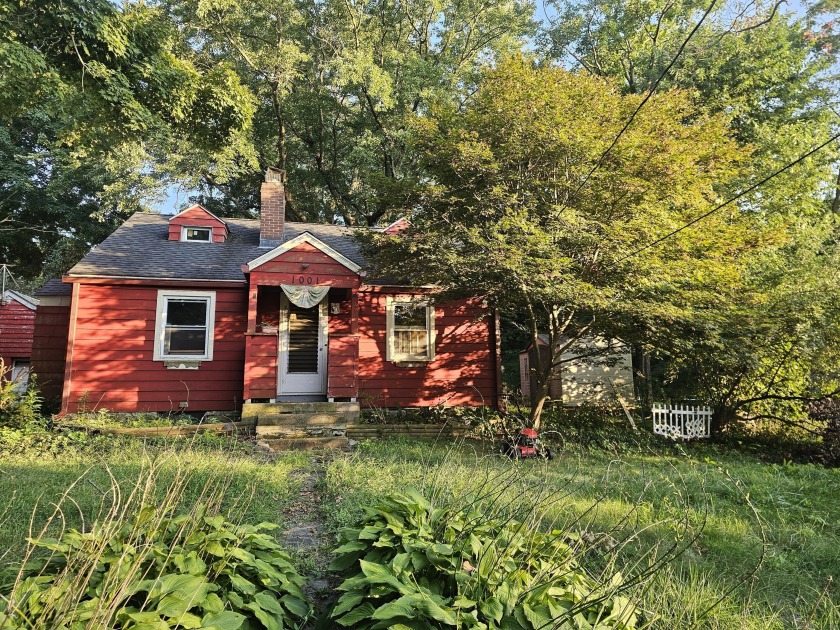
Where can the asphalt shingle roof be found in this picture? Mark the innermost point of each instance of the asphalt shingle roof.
(140, 248)
(54, 287)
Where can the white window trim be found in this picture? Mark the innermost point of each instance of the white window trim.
(160, 324)
(21, 374)
(184, 229)
(391, 354)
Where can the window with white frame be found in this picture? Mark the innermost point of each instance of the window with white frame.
(184, 325)
(410, 329)
(199, 234)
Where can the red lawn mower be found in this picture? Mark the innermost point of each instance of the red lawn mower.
(525, 444)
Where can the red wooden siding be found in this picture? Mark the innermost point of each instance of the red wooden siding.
(463, 371)
(49, 347)
(261, 366)
(288, 268)
(343, 366)
(17, 326)
(112, 349)
(197, 217)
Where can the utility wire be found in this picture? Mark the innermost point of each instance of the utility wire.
(647, 97)
(728, 201)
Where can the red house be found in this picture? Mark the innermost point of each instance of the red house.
(17, 326)
(200, 313)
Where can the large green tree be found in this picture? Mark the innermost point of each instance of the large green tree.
(513, 212)
(775, 74)
(336, 84)
(94, 99)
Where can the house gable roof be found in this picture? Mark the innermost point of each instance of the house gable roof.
(305, 237)
(140, 248)
(192, 211)
(29, 302)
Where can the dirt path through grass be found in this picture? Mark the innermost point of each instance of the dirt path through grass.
(305, 534)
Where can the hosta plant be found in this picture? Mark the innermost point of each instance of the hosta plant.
(157, 572)
(412, 565)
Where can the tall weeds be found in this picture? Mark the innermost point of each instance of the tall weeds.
(113, 571)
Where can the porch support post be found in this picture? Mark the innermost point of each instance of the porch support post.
(354, 311)
(252, 307)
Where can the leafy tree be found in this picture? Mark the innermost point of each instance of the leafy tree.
(92, 97)
(336, 83)
(772, 72)
(507, 213)
(765, 352)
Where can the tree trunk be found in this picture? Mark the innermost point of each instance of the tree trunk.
(722, 415)
(537, 407)
(540, 393)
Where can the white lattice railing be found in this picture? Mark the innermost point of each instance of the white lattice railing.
(682, 421)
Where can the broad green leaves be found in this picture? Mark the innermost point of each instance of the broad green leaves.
(160, 572)
(418, 570)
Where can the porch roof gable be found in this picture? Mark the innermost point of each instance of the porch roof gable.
(308, 238)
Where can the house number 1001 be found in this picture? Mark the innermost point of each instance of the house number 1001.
(306, 279)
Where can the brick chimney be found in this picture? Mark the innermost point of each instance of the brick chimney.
(272, 207)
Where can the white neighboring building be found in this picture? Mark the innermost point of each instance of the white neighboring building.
(582, 377)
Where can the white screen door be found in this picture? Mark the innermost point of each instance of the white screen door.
(303, 350)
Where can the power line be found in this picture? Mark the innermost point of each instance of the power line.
(730, 200)
(647, 97)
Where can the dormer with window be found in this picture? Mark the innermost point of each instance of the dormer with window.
(197, 225)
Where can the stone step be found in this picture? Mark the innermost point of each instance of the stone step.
(255, 410)
(264, 432)
(308, 444)
(306, 419)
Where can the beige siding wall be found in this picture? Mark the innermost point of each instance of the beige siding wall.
(587, 379)
(597, 379)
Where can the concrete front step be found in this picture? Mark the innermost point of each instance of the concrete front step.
(306, 419)
(307, 444)
(256, 410)
(266, 432)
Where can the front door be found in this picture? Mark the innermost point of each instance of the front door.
(303, 351)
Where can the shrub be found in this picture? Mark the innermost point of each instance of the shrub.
(410, 564)
(17, 409)
(159, 571)
(827, 411)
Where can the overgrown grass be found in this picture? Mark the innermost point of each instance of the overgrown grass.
(34, 477)
(759, 542)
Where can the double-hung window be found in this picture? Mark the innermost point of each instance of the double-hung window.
(199, 234)
(410, 329)
(184, 326)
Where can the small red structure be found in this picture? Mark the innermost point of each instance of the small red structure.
(202, 313)
(17, 326)
(49, 343)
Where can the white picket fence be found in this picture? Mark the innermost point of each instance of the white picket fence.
(682, 421)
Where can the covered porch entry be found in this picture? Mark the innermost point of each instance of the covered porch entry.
(302, 339)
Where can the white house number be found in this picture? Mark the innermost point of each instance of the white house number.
(306, 279)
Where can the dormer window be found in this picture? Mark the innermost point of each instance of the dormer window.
(197, 225)
(200, 234)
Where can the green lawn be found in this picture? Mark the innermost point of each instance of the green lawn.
(734, 516)
(759, 543)
(251, 487)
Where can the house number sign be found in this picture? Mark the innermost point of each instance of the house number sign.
(305, 279)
